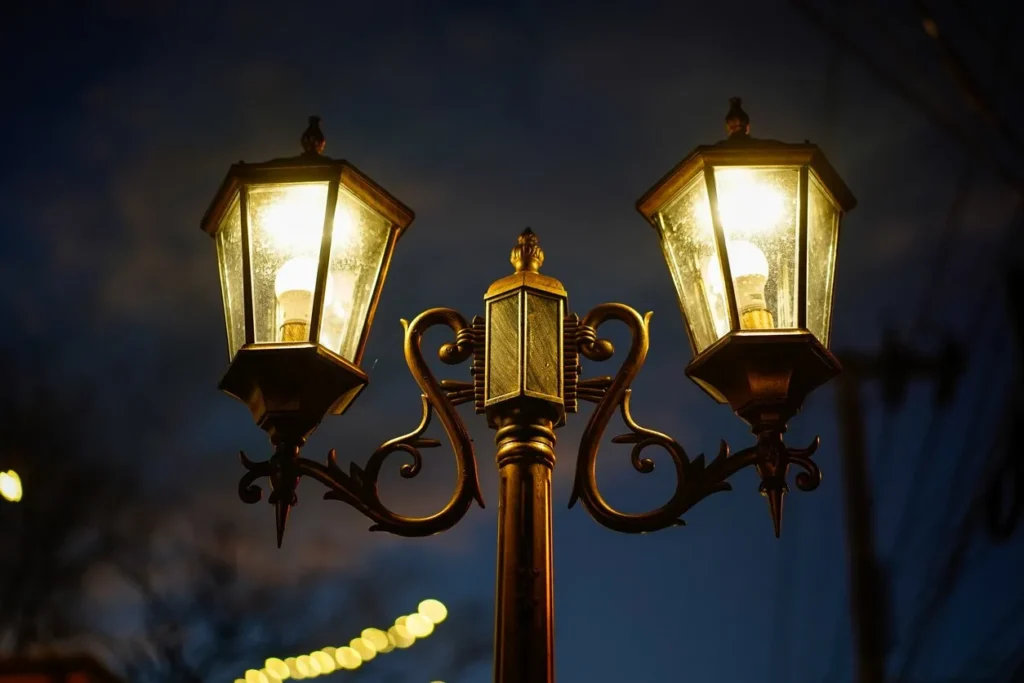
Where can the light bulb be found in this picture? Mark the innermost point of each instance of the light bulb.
(750, 275)
(294, 286)
(746, 203)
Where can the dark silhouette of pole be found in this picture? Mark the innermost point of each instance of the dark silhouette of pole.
(895, 366)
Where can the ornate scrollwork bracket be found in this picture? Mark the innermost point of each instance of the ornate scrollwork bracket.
(358, 486)
(695, 479)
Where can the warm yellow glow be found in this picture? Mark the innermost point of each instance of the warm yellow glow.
(348, 658)
(401, 636)
(325, 661)
(377, 638)
(302, 665)
(434, 610)
(364, 648)
(277, 667)
(295, 219)
(749, 273)
(10, 486)
(419, 626)
(746, 203)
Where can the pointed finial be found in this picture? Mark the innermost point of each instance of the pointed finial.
(284, 479)
(737, 122)
(527, 254)
(313, 140)
(776, 496)
(281, 510)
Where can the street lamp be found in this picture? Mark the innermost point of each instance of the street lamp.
(749, 230)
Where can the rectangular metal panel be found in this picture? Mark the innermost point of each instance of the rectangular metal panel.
(543, 348)
(504, 347)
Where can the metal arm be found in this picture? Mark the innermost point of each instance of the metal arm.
(358, 486)
(695, 479)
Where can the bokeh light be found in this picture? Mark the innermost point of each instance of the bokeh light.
(371, 642)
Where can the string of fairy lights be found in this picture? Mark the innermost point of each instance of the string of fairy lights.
(371, 642)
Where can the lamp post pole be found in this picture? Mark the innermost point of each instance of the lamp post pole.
(524, 619)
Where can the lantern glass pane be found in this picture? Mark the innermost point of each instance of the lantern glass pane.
(758, 210)
(688, 240)
(286, 224)
(232, 285)
(358, 247)
(822, 234)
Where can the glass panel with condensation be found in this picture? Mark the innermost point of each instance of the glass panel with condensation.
(822, 235)
(688, 240)
(232, 285)
(286, 224)
(544, 346)
(504, 347)
(358, 246)
(758, 210)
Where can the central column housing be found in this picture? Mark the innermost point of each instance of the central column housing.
(524, 400)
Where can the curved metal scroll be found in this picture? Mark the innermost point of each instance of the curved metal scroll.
(695, 479)
(358, 486)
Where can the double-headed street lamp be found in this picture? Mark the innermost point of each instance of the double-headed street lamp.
(749, 229)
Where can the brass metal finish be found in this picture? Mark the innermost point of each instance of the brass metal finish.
(525, 376)
(290, 387)
(358, 486)
(695, 480)
(764, 376)
(524, 600)
(524, 335)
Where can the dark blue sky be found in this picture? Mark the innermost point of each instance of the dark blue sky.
(121, 121)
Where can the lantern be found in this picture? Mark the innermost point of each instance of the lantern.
(525, 342)
(749, 230)
(303, 247)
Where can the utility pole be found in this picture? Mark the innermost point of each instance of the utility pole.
(895, 365)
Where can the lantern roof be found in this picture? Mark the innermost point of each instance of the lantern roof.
(310, 166)
(739, 149)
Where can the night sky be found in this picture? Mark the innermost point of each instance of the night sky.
(121, 119)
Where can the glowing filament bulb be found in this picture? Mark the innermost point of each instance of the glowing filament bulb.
(749, 275)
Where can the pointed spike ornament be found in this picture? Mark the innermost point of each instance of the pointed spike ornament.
(776, 497)
(284, 479)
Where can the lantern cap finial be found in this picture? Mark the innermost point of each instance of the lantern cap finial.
(313, 140)
(737, 121)
(527, 256)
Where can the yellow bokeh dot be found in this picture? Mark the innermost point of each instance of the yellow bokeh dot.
(433, 610)
(348, 658)
(419, 626)
(325, 661)
(252, 676)
(276, 666)
(377, 638)
(364, 648)
(293, 669)
(400, 621)
(271, 676)
(314, 666)
(303, 667)
(401, 636)
(10, 486)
